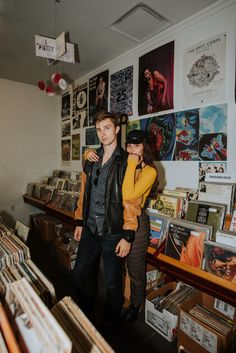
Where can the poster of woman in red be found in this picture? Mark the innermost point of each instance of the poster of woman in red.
(156, 75)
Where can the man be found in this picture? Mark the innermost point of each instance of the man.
(105, 228)
(156, 91)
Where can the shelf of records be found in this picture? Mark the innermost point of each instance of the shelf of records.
(194, 239)
(58, 192)
(31, 319)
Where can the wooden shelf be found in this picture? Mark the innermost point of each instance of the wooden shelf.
(65, 216)
(202, 280)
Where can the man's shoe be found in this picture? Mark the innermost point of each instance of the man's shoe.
(131, 316)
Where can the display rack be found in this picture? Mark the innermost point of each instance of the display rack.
(46, 207)
(207, 282)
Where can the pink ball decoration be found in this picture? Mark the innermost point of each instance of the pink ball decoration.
(56, 77)
(41, 85)
(50, 91)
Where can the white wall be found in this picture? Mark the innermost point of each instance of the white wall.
(29, 144)
(219, 18)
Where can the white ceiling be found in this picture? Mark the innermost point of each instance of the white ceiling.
(89, 23)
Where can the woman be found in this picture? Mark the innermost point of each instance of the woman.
(139, 179)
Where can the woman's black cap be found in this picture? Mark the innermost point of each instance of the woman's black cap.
(136, 137)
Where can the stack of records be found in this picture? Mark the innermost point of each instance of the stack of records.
(209, 213)
(37, 329)
(220, 259)
(84, 336)
(158, 227)
(185, 241)
(12, 251)
(219, 193)
(33, 275)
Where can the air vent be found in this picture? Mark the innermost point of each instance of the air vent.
(140, 23)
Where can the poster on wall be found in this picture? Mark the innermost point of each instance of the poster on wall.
(76, 147)
(161, 135)
(65, 106)
(79, 121)
(65, 128)
(204, 71)
(156, 75)
(213, 118)
(213, 147)
(121, 99)
(65, 150)
(98, 94)
(187, 135)
(80, 99)
(91, 137)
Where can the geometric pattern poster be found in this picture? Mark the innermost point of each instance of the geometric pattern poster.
(204, 71)
(98, 94)
(121, 94)
(156, 78)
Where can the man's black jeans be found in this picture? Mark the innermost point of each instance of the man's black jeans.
(85, 273)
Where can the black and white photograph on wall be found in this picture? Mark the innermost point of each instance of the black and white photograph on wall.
(187, 135)
(204, 71)
(76, 147)
(98, 94)
(156, 80)
(65, 128)
(121, 99)
(79, 99)
(211, 167)
(213, 119)
(213, 147)
(91, 137)
(80, 121)
(65, 149)
(65, 105)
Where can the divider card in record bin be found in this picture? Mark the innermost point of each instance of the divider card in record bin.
(158, 226)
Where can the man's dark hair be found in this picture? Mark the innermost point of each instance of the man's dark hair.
(102, 115)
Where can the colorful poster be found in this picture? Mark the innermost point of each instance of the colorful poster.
(213, 119)
(76, 147)
(204, 71)
(187, 135)
(121, 100)
(156, 74)
(161, 135)
(98, 95)
(65, 150)
(213, 147)
(132, 125)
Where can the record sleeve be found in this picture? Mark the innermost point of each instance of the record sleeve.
(185, 241)
(208, 213)
(220, 260)
(158, 227)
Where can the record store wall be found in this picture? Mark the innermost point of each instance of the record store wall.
(29, 136)
(203, 29)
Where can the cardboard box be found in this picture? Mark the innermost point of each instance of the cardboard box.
(44, 225)
(196, 336)
(164, 322)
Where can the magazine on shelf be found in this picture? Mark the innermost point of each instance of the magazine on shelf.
(220, 260)
(185, 241)
(208, 213)
(158, 227)
(218, 192)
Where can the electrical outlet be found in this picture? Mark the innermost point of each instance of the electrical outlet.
(12, 207)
